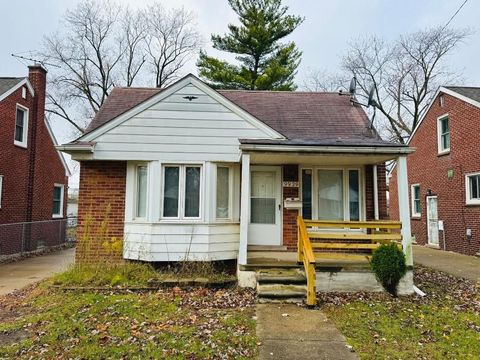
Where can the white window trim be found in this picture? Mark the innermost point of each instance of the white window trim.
(230, 193)
(468, 200)
(439, 135)
(135, 195)
(1, 190)
(412, 201)
(23, 143)
(181, 193)
(346, 202)
(62, 197)
(24, 92)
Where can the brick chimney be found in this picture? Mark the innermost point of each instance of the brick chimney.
(38, 78)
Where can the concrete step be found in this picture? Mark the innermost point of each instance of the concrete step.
(281, 292)
(281, 276)
(262, 248)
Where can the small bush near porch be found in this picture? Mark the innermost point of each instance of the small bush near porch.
(443, 325)
(47, 322)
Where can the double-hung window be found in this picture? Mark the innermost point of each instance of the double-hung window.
(21, 126)
(472, 189)
(443, 128)
(223, 209)
(58, 193)
(181, 191)
(331, 194)
(416, 205)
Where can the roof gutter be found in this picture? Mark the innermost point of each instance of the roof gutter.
(329, 149)
(75, 148)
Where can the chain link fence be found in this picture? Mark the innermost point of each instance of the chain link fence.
(26, 237)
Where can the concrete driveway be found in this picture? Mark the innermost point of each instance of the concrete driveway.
(447, 261)
(16, 275)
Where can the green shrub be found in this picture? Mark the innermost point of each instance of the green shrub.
(389, 265)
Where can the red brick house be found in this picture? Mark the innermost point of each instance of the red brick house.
(190, 173)
(444, 173)
(33, 174)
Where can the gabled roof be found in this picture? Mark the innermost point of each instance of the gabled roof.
(467, 91)
(10, 84)
(303, 118)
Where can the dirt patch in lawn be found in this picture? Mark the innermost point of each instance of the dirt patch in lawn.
(445, 324)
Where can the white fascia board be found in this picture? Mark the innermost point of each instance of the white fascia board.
(328, 149)
(25, 82)
(189, 79)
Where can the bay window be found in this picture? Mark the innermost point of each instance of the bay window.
(223, 193)
(334, 193)
(181, 191)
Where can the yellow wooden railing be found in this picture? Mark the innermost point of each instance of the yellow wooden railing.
(307, 257)
(337, 239)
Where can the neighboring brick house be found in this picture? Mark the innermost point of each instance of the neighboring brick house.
(190, 173)
(33, 174)
(444, 173)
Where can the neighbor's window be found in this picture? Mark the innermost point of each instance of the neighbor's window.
(58, 200)
(181, 191)
(416, 205)
(1, 190)
(472, 187)
(443, 135)
(141, 191)
(223, 192)
(21, 127)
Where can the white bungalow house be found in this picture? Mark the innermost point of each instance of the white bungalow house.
(191, 173)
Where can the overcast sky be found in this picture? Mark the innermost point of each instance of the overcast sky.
(323, 37)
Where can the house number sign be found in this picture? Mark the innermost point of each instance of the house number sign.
(292, 184)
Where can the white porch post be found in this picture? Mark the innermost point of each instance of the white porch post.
(404, 208)
(244, 209)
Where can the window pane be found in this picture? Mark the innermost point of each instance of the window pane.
(223, 192)
(307, 194)
(170, 192)
(474, 187)
(142, 191)
(354, 191)
(57, 200)
(418, 209)
(416, 192)
(330, 194)
(192, 192)
(263, 197)
(445, 134)
(19, 123)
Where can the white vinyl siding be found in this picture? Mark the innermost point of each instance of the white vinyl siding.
(472, 189)
(176, 129)
(443, 133)
(416, 204)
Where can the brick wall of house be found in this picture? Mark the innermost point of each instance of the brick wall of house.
(29, 174)
(290, 173)
(101, 210)
(430, 170)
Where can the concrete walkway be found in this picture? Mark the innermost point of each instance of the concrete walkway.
(16, 275)
(291, 332)
(447, 261)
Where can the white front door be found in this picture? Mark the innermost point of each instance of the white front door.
(265, 206)
(432, 220)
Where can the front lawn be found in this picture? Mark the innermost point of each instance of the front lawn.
(44, 323)
(443, 325)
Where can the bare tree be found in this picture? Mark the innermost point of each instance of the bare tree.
(321, 80)
(101, 45)
(171, 41)
(404, 73)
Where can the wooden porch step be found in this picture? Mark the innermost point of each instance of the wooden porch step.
(354, 236)
(346, 246)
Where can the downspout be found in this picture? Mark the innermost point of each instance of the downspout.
(375, 193)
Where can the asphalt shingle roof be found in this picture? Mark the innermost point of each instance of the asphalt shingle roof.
(304, 118)
(470, 92)
(6, 83)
